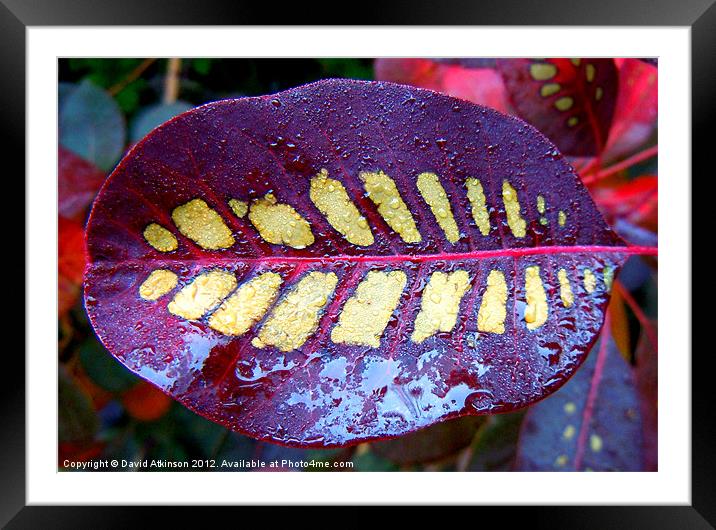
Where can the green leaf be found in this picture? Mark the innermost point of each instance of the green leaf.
(77, 419)
(104, 369)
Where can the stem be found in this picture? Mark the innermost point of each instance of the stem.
(624, 164)
(646, 324)
(133, 75)
(171, 81)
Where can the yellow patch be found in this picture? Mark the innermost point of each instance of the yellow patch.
(541, 205)
(576, 62)
(590, 72)
(561, 461)
(202, 225)
(608, 277)
(479, 205)
(160, 238)
(569, 432)
(247, 305)
(434, 194)
(536, 311)
(549, 89)
(590, 281)
(157, 284)
(440, 304)
(562, 218)
(572, 121)
(201, 295)
(279, 223)
(296, 317)
(542, 71)
(382, 191)
(565, 289)
(367, 312)
(564, 103)
(595, 443)
(240, 208)
(331, 198)
(492, 312)
(570, 408)
(512, 209)
(598, 93)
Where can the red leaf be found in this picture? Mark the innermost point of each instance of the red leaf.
(78, 183)
(70, 262)
(483, 86)
(635, 201)
(328, 362)
(592, 423)
(571, 101)
(145, 402)
(636, 109)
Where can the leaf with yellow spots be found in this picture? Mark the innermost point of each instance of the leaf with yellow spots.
(592, 423)
(571, 101)
(348, 261)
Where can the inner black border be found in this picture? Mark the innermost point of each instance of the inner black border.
(16, 15)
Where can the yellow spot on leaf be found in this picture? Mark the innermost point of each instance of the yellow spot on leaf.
(595, 443)
(157, 284)
(512, 209)
(572, 121)
(492, 312)
(440, 304)
(569, 432)
(549, 89)
(279, 223)
(590, 72)
(202, 225)
(479, 205)
(564, 103)
(608, 277)
(382, 191)
(542, 71)
(367, 312)
(536, 310)
(540, 204)
(240, 208)
(562, 218)
(598, 93)
(561, 461)
(331, 198)
(201, 295)
(565, 289)
(570, 408)
(160, 238)
(296, 317)
(434, 194)
(590, 281)
(247, 305)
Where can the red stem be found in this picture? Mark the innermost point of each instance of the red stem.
(624, 164)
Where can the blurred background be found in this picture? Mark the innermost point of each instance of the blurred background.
(107, 105)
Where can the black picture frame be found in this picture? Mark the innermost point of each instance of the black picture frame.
(699, 15)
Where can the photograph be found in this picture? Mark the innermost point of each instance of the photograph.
(385, 264)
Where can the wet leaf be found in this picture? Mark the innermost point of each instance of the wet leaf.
(592, 424)
(91, 125)
(571, 101)
(348, 261)
(473, 80)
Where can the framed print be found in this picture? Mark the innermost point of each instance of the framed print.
(425, 251)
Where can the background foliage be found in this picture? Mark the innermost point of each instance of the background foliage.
(105, 105)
